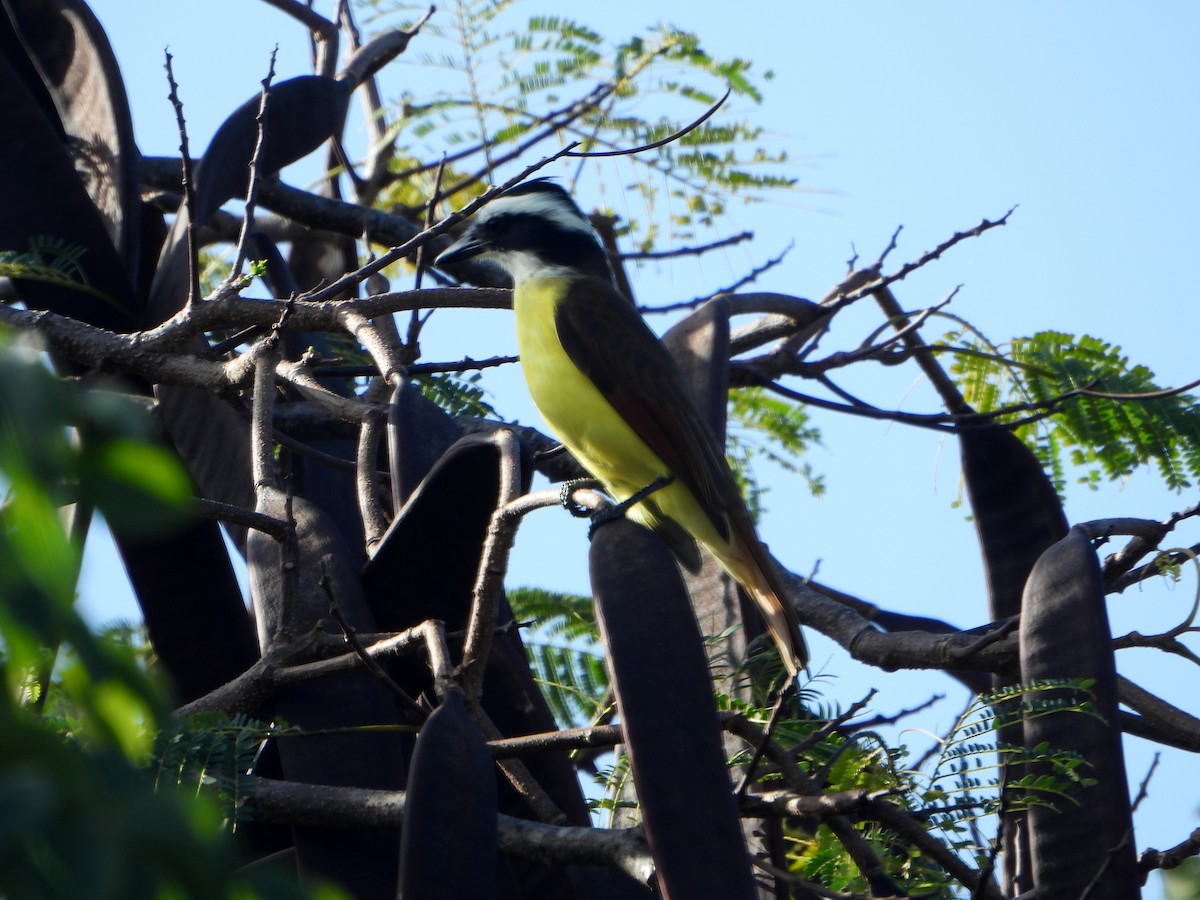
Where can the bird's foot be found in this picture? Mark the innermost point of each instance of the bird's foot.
(578, 510)
(618, 511)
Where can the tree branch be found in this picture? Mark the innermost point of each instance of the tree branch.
(324, 806)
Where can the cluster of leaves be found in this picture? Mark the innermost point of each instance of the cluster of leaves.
(112, 467)
(961, 790)
(564, 652)
(49, 260)
(458, 395)
(1105, 437)
(504, 76)
(212, 753)
(78, 707)
(975, 776)
(762, 425)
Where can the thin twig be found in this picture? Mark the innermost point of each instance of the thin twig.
(430, 212)
(768, 733)
(552, 126)
(188, 180)
(654, 145)
(556, 120)
(368, 660)
(697, 250)
(929, 256)
(835, 724)
(1113, 852)
(879, 721)
(255, 162)
(396, 253)
(741, 282)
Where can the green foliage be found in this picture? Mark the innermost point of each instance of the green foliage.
(967, 781)
(846, 759)
(136, 485)
(614, 783)
(214, 754)
(1183, 883)
(956, 797)
(1105, 437)
(510, 85)
(50, 260)
(766, 426)
(79, 817)
(564, 652)
(82, 823)
(457, 395)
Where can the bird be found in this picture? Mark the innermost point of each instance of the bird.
(614, 396)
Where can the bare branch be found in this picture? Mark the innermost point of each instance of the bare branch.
(1179, 728)
(367, 483)
(188, 179)
(741, 282)
(557, 845)
(493, 563)
(698, 250)
(305, 15)
(1119, 563)
(397, 253)
(1169, 859)
(237, 515)
(662, 142)
(254, 175)
(925, 259)
(372, 665)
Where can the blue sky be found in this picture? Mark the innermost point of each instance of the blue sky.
(926, 115)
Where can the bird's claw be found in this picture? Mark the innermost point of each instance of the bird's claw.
(566, 498)
(608, 514)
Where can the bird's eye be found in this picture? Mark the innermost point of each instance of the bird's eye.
(516, 232)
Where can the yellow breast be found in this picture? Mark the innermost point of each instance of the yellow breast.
(576, 411)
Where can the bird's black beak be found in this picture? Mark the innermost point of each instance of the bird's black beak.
(464, 248)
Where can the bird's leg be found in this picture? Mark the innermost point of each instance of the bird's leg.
(618, 511)
(578, 510)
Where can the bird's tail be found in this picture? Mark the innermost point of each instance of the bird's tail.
(781, 622)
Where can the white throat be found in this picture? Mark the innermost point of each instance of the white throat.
(523, 265)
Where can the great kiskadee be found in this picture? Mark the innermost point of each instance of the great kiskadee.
(614, 396)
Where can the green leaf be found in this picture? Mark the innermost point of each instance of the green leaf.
(140, 488)
(1104, 437)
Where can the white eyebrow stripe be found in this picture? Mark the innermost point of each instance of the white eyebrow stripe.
(546, 207)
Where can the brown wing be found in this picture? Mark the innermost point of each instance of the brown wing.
(608, 341)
